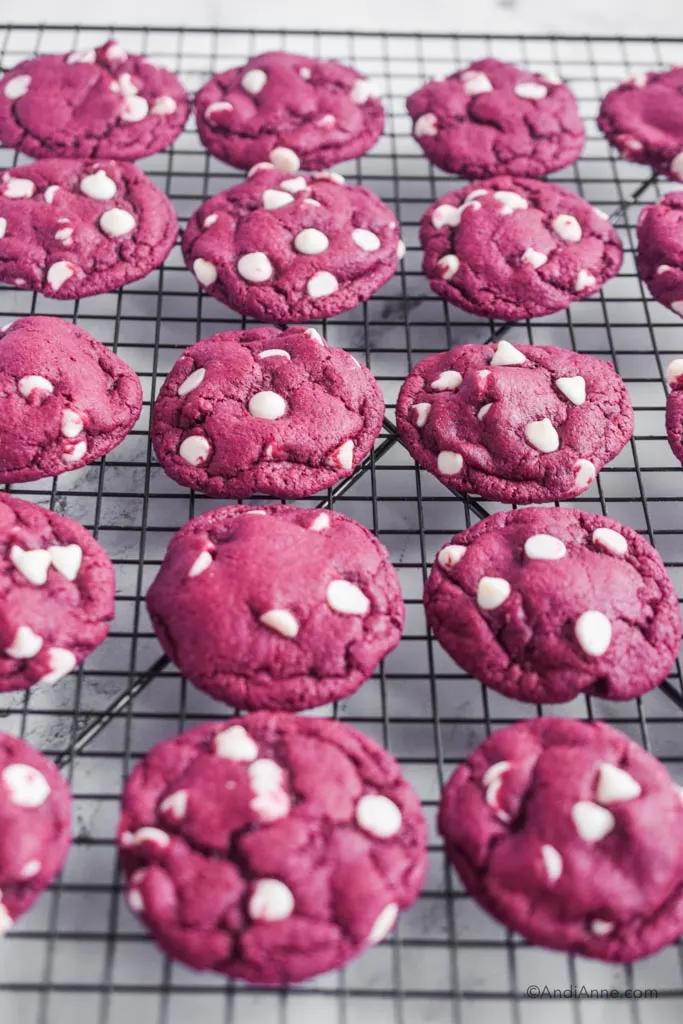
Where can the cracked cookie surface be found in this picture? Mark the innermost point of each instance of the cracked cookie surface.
(35, 826)
(512, 248)
(294, 111)
(570, 833)
(284, 248)
(514, 423)
(660, 250)
(543, 604)
(65, 399)
(265, 411)
(492, 118)
(270, 847)
(71, 228)
(276, 607)
(91, 103)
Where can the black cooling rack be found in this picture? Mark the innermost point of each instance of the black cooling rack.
(80, 957)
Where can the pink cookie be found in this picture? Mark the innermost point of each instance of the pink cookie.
(660, 250)
(571, 834)
(56, 594)
(270, 848)
(674, 407)
(265, 412)
(293, 111)
(495, 118)
(277, 607)
(35, 827)
(70, 228)
(92, 103)
(65, 399)
(512, 248)
(285, 249)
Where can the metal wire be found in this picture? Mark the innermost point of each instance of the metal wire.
(79, 957)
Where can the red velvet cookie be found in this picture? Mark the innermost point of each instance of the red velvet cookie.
(56, 594)
(643, 118)
(495, 118)
(265, 411)
(35, 826)
(674, 407)
(70, 228)
(512, 248)
(92, 103)
(543, 604)
(514, 423)
(293, 111)
(286, 249)
(276, 607)
(660, 250)
(65, 399)
(571, 834)
(272, 847)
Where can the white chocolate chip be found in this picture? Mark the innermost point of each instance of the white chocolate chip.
(491, 798)
(492, 591)
(677, 166)
(362, 90)
(311, 333)
(553, 862)
(634, 145)
(254, 80)
(195, 450)
(311, 242)
(450, 555)
(543, 547)
(235, 744)
(484, 410)
(320, 522)
(115, 52)
(449, 463)
(384, 923)
(204, 271)
(59, 273)
(593, 630)
(66, 559)
(30, 869)
(164, 105)
(17, 87)
(3, 226)
(610, 539)
(673, 371)
(263, 165)
(284, 159)
(294, 184)
(507, 355)
(26, 786)
(400, 249)
(255, 267)
(531, 90)
(475, 82)
(600, 213)
(49, 194)
(510, 201)
(274, 199)
(305, 73)
(267, 405)
(25, 644)
(134, 109)
(446, 215)
(271, 800)
(280, 621)
(378, 815)
(344, 455)
(448, 380)
(591, 821)
(150, 834)
(573, 388)
(448, 266)
(542, 436)
(127, 86)
(326, 121)
(534, 258)
(33, 564)
(135, 901)
(27, 385)
(346, 598)
(60, 662)
(585, 474)
(75, 453)
(64, 235)
(71, 424)
(201, 563)
(18, 188)
(117, 223)
(426, 124)
(584, 279)
(268, 353)
(366, 240)
(175, 805)
(81, 57)
(271, 900)
(421, 413)
(192, 381)
(321, 284)
(494, 771)
(219, 108)
(567, 228)
(600, 927)
(614, 785)
(209, 221)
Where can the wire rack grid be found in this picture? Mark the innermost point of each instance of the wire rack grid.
(79, 957)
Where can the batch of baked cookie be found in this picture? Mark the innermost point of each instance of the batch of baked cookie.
(273, 847)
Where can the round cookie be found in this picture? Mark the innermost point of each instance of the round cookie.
(660, 250)
(643, 118)
(272, 847)
(291, 110)
(511, 248)
(286, 249)
(265, 411)
(91, 103)
(65, 399)
(569, 833)
(57, 591)
(71, 228)
(35, 826)
(674, 407)
(495, 118)
(277, 607)
(514, 423)
(543, 604)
